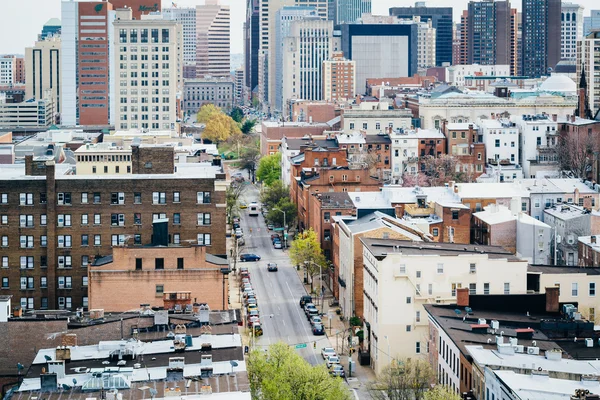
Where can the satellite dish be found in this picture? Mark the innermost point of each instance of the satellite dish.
(20, 366)
(66, 387)
(47, 357)
(74, 381)
(233, 363)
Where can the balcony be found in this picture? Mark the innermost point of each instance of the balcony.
(415, 211)
(546, 148)
(412, 159)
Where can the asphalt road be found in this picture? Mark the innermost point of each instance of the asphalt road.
(278, 293)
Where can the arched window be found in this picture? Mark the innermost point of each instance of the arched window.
(562, 16)
(574, 17)
(568, 17)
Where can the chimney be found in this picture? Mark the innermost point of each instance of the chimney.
(160, 232)
(554, 117)
(493, 116)
(593, 239)
(572, 118)
(462, 297)
(552, 299)
(358, 99)
(444, 122)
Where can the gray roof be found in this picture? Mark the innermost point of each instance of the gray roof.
(216, 260)
(296, 144)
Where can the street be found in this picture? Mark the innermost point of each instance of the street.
(278, 293)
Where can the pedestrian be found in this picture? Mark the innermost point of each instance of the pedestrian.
(314, 345)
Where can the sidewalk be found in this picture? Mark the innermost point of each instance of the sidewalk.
(336, 331)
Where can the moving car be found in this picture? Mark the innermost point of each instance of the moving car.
(243, 205)
(318, 329)
(270, 227)
(327, 351)
(332, 360)
(271, 267)
(249, 257)
(305, 300)
(337, 370)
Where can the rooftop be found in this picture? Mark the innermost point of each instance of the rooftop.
(554, 269)
(430, 134)
(566, 211)
(460, 126)
(535, 387)
(495, 214)
(378, 139)
(335, 200)
(379, 220)
(296, 144)
(353, 137)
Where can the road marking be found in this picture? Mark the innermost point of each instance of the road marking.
(300, 316)
(283, 321)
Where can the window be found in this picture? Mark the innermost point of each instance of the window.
(64, 220)
(137, 219)
(43, 282)
(506, 287)
(176, 219)
(26, 241)
(137, 198)
(84, 281)
(180, 263)
(117, 198)
(159, 263)
(454, 287)
(5, 283)
(43, 262)
(351, 125)
(523, 206)
(402, 269)
(84, 219)
(440, 268)
(117, 240)
(497, 143)
(4, 241)
(418, 316)
(25, 199)
(327, 216)
(435, 231)
(64, 198)
(472, 288)
(97, 240)
(203, 197)
(176, 238)
(159, 290)
(64, 262)
(486, 288)
(574, 289)
(418, 347)
(418, 274)
(138, 264)
(97, 198)
(64, 241)
(203, 218)
(61, 302)
(592, 291)
(117, 219)
(455, 214)
(43, 220)
(4, 261)
(159, 198)
(85, 260)
(97, 219)
(4, 219)
(84, 198)
(472, 268)
(85, 240)
(204, 239)
(408, 328)
(176, 197)
(44, 303)
(25, 221)
(137, 239)
(408, 300)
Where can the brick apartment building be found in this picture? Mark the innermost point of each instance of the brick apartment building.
(273, 131)
(323, 207)
(313, 111)
(54, 224)
(464, 143)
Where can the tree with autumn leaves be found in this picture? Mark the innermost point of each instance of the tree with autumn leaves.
(219, 127)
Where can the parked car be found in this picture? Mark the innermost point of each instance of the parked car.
(305, 300)
(277, 245)
(249, 257)
(252, 306)
(236, 225)
(275, 236)
(272, 267)
(315, 320)
(270, 227)
(310, 310)
(241, 241)
(337, 370)
(331, 360)
(318, 329)
(327, 351)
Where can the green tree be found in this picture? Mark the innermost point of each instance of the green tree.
(306, 250)
(232, 196)
(269, 169)
(276, 217)
(248, 126)
(237, 114)
(206, 112)
(280, 373)
(271, 196)
(249, 154)
(403, 380)
(441, 393)
(255, 102)
(220, 128)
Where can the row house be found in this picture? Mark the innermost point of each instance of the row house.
(464, 142)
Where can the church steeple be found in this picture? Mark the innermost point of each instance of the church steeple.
(583, 104)
(582, 80)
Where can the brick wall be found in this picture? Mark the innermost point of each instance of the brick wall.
(152, 160)
(504, 235)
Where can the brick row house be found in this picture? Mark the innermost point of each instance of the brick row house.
(54, 223)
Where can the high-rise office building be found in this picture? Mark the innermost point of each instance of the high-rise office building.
(213, 43)
(86, 38)
(490, 37)
(8, 65)
(150, 54)
(591, 22)
(540, 37)
(283, 21)
(348, 11)
(187, 18)
(571, 27)
(425, 42)
(42, 66)
(441, 18)
(339, 78)
(307, 45)
(587, 63)
(251, 43)
(50, 28)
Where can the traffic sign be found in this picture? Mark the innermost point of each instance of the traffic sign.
(278, 229)
(301, 346)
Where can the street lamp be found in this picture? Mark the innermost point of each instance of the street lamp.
(224, 271)
(284, 227)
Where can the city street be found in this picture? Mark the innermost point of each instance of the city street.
(278, 293)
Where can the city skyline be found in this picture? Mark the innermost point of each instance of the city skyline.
(24, 23)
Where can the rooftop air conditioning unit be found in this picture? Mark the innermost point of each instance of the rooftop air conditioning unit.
(533, 350)
(589, 342)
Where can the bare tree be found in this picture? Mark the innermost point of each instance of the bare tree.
(233, 195)
(403, 380)
(418, 179)
(575, 154)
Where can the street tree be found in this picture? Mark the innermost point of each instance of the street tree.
(575, 154)
(206, 112)
(249, 154)
(281, 373)
(441, 393)
(237, 114)
(219, 128)
(269, 169)
(403, 380)
(248, 126)
(275, 217)
(306, 250)
(271, 196)
(232, 196)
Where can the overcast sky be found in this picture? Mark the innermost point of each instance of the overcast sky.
(22, 20)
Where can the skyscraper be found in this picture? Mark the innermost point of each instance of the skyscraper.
(490, 36)
(540, 37)
(42, 70)
(591, 22)
(251, 43)
(50, 28)
(587, 64)
(441, 18)
(213, 41)
(571, 26)
(348, 11)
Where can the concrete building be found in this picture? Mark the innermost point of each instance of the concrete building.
(187, 18)
(349, 11)
(426, 41)
(200, 91)
(137, 107)
(58, 223)
(339, 78)
(385, 50)
(309, 40)
(570, 222)
(538, 137)
(541, 37)
(587, 63)
(8, 65)
(571, 29)
(457, 74)
(28, 114)
(375, 117)
(103, 159)
(240, 87)
(405, 153)
(441, 18)
(283, 23)
(213, 41)
(501, 140)
(592, 22)
(43, 70)
(400, 277)
(157, 272)
(251, 43)
(50, 28)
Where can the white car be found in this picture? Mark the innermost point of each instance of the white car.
(327, 351)
(331, 360)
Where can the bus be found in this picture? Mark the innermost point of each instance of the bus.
(253, 207)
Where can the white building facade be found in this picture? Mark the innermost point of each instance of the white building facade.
(426, 38)
(456, 74)
(501, 139)
(571, 28)
(374, 118)
(537, 140)
(7, 70)
(405, 153)
(187, 18)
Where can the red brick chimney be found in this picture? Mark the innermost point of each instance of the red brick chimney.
(462, 297)
(573, 118)
(554, 117)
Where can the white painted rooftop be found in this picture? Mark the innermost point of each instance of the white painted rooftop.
(543, 388)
